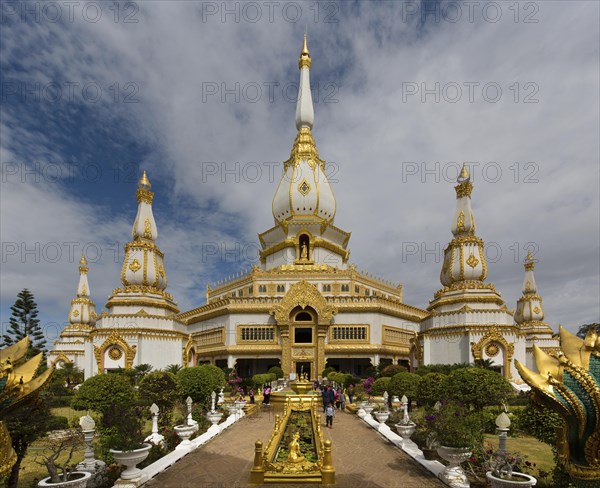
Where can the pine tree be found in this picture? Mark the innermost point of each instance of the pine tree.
(24, 322)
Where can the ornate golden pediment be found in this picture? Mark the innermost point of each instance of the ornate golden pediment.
(303, 294)
(494, 336)
(114, 339)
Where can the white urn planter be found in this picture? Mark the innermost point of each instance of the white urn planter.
(406, 430)
(517, 480)
(382, 417)
(184, 432)
(214, 417)
(368, 408)
(454, 475)
(80, 481)
(130, 459)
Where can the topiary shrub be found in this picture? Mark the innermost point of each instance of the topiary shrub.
(160, 387)
(392, 369)
(262, 379)
(198, 382)
(477, 387)
(404, 384)
(380, 385)
(277, 371)
(113, 396)
(431, 389)
(326, 371)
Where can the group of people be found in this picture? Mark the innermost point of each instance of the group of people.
(333, 399)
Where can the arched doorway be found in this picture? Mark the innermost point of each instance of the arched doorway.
(302, 317)
(303, 322)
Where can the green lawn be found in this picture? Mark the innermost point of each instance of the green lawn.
(536, 452)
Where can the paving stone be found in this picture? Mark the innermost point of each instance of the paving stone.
(361, 457)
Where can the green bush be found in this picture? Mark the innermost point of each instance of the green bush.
(392, 369)
(404, 384)
(101, 392)
(538, 422)
(114, 396)
(456, 425)
(160, 387)
(54, 401)
(198, 382)
(57, 422)
(326, 371)
(262, 379)
(477, 387)
(380, 385)
(431, 389)
(440, 368)
(277, 371)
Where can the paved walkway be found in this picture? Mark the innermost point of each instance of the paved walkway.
(361, 457)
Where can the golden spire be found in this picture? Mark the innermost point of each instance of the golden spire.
(464, 187)
(144, 181)
(529, 261)
(83, 261)
(464, 174)
(304, 55)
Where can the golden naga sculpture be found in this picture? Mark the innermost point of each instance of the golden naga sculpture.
(568, 382)
(17, 389)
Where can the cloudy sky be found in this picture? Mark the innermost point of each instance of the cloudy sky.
(201, 95)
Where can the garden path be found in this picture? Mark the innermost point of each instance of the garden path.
(361, 457)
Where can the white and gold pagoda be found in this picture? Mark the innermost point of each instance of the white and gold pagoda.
(303, 306)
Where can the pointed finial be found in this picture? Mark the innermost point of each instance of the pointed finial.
(83, 260)
(464, 174)
(144, 181)
(529, 261)
(304, 55)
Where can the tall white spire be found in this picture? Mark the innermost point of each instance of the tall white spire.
(83, 309)
(143, 264)
(305, 114)
(529, 306)
(143, 271)
(464, 259)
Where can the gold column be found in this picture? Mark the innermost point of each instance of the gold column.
(320, 356)
(286, 349)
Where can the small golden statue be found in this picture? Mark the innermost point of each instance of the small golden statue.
(295, 456)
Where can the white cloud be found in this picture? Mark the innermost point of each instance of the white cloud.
(171, 56)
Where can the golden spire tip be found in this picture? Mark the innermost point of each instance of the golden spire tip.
(83, 260)
(464, 174)
(305, 46)
(144, 181)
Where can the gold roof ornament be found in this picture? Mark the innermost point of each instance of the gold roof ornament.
(304, 55)
(144, 181)
(18, 388)
(529, 261)
(464, 174)
(83, 260)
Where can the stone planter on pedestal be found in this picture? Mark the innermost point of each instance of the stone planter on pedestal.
(368, 408)
(406, 430)
(185, 432)
(130, 459)
(80, 479)
(361, 409)
(382, 417)
(517, 480)
(454, 475)
(214, 417)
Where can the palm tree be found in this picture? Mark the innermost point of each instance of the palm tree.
(173, 368)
